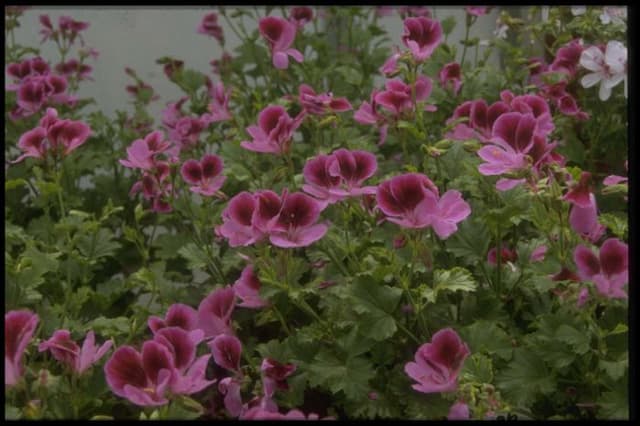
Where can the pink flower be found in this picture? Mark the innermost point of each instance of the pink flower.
(28, 68)
(237, 219)
(205, 176)
(579, 194)
(459, 410)
(481, 119)
(324, 103)
(47, 30)
(438, 363)
(300, 16)
(75, 68)
(142, 92)
(19, 327)
(537, 255)
(506, 255)
(584, 220)
(408, 200)
(609, 271)
(451, 76)
(273, 133)
(280, 35)
(422, 36)
(390, 67)
(274, 375)
(398, 96)
(219, 106)
(141, 153)
(368, 114)
(226, 351)
(583, 296)
(178, 315)
(296, 225)
(209, 26)
(230, 388)
(450, 210)
(319, 182)
(567, 59)
(477, 11)
(214, 312)
(66, 351)
(247, 288)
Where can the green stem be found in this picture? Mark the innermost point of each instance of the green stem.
(282, 320)
(468, 24)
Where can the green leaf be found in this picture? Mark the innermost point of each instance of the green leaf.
(452, 280)
(478, 369)
(526, 377)
(195, 256)
(350, 75)
(448, 24)
(614, 369)
(351, 376)
(377, 303)
(615, 404)
(486, 336)
(618, 224)
(98, 245)
(619, 329)
(580, 341)
(471, 242)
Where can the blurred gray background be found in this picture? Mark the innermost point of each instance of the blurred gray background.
(137, 36)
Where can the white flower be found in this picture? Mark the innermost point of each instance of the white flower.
(609, 68)
(617, 15)
(578, 10)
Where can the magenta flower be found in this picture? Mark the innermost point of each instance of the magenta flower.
(178, 315)
(459, 410)
(481, 119)
(438, 363)
(368, 114)
(274, 132)
(450, 210)
(230, 388)
(66, 351)
(537, 255)
(567, 59)
(209, 26)
(214, 312)
(390, 66)
(300, 16)
(506, 255)
(226, 351)
(422, 36)
(500, 160)
(584, 220)
(141, 153)
(219, 106)
(274, 375)
(205, 175)
(320, 183)
(579, 194)
(477, 10)
(237, 224)
(280, 35)
(247, 288)
(398, 97)
(296, 222)
(74, 68)
(19, 327)
(320, 104)
(186, 131)
(609, 271)
(451, 76)
(408, 200)
(27, 68)
(583, 296)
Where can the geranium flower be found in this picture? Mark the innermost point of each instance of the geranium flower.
(226, 351)
(408, 200)
(237, 224)
(300, 16)
(214, 312)
(458, 411)
(437, 364)
(219, 106)
(273, 133)
(247, 288)
(615, 15)
(280, 35)
(319, 104)
(66, 351)
(141, 153)
(205, 176)
(398, 97)
(368, 114)
(609, 271)
(567, 59)
(296, 222)
(451, 76)
(609, 67)
(19, 327)
(579, 194)
(178, 315)
(422, 36)
(230, 388)
(584, 220)
(274, 375)
(209, 26)
(506, 255)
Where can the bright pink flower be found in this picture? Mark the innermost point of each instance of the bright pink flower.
(296, 222)
(500, 160)
(19, 327)
(438, 363)
(226, 351)
(450, 210)
(205, 176)
(230, 388)
(579, 194)
(567, 59)
(300, 16)
(66, 351)
(28, 68)
(584, 220)
(481, 119)
(477, 11)
(237, 223)
(398, 96)
(274, 375)
(219, 106)
(273, 133)
(209, 26)
(422, 36)
(319, 182)
(141, 153)
(75, 68)
(47, 30)
(459, 410)
(353, 168)
(534, 105)
(182, 345)
(280, 35)
(390, 67)
(609, 271)
(537, 255)
(247, 288)
(319, 104)
(214, 312)
(451, 76)
(408, 200)
(507, 255)
(187, 131)
(368, 114)
(178, 315)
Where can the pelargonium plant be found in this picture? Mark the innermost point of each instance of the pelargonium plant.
(331, 222)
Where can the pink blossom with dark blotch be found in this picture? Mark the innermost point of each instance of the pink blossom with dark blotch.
(615, 179)
(534, 105)
(280, 35)
(141, 153)
(514, 130)
(268, 206)
(319, 182)
(230, 388)
(37, 91)
(584, 220)
(219, 106)
(214, 312)
(247, 288)
(368, 114)
(320, 104)
(481, 119)
(274, 132)
(565, 274)
(181, 343)
(205, 176)
(274, 375)
(567, 59)
(47, 28)
(579, 194)
(187, 132)
(237, 223)
(459, 410)
(75, 68)
(156, 186)
(499, 160)
(178, 315)
(422, 36)
(507, 255)
(140, 87)
(19, 326)
(296, 222)
(398, 97)
(20, 71)
(567, 105)
(300, 16)
(437, 364)
(209, 26)
(408, 200)
(390, 66)
(67, 352)
(609, 270)
(353, 168)
(226, 351)
(477, 10)
(451, 77)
